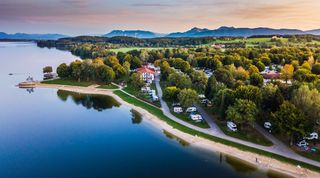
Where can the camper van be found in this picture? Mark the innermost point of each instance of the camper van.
(177, 109)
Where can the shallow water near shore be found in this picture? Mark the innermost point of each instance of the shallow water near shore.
(54, 133)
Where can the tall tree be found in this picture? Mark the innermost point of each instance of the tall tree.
(242, 112)
(289, 121)
(308, 101)
(63, 70)
(187, 97)
(256, 80)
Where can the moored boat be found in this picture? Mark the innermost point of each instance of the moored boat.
(29, 83)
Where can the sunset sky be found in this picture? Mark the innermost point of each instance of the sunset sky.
(74, 17)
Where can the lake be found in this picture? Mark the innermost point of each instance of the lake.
(50, 133)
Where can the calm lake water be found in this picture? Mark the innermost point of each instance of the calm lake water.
(49, 133)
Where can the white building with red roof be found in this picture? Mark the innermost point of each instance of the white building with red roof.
(147, 74)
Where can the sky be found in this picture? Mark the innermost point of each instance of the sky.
(79, 17)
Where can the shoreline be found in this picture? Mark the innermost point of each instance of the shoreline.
(263, 163)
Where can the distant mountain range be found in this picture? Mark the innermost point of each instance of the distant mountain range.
(194, 32)
(134, 33)
(25, 36)
(222, 31)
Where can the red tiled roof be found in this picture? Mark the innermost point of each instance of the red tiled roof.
(271, 75)
(145, 70)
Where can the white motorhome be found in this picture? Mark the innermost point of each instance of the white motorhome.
(232, 126)
(177, 109)
(312, 136)
(196, 117)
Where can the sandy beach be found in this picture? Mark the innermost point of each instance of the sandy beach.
(261, 162)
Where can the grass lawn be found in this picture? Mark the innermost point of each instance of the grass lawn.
(158, 112)
(68, 82)
(144, 96)
(315, 156)
(248, 134)
(110, 86)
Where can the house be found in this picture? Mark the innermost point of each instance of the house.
(147, 73)
(177, 109)
(270, 75)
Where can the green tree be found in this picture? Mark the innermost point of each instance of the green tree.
(256, 80)
(260, 66)
(63, 70)
(289, 121)
(47, 69)
(308, 101)
(225, 76)
(179, 80)
(112, 61)
(171, 93)
(213, 87)
(105, 74)
(119, 71)
(136, 80)
(199, 81)
(135, 63)
(223, 99)
(242, 112)
(76, 70)
(301, 75)
(253, 69)
(249, 92)
(271, 98)
(187, 97)
(126, 66)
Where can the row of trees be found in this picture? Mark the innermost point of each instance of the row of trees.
(99, 70)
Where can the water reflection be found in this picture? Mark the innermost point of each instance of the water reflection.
(240, 165)
(136, 117)
(172, 136)
(30, 90)
(96, 102)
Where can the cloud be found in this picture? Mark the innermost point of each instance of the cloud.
(77, 3)
(151, 5)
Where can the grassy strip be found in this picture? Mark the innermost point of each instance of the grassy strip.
(157, 112)
(110, 86)
(68, 82)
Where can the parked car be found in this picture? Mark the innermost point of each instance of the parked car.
(302, 143)
(191, 109)
(267, 125)
(177, 109)
(312, 136)
(196, 117)
(232, 126)
(204, 101)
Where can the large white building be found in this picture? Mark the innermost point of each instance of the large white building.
(147, 74)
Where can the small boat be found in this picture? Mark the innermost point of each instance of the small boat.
(10, 73)
(29, 83)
